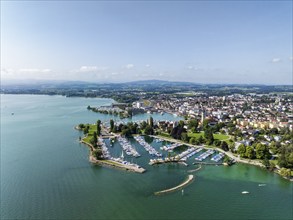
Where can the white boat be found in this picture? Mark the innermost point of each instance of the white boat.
(262, 184)
(245, 192)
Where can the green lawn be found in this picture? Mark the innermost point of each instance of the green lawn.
(92, 129)
(195, 135)
(220, 137)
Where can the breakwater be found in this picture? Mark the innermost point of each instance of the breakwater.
(189, 179)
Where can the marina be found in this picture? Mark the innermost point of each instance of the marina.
(218, 157)
(152, 151)
(205, 155)
(105, 150)
(185, 154)
(126, 146)
(170, 147)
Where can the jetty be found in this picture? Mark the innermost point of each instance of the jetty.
(189, 179)
(218, 157)
(152, 151)
(127, 147)
(181, 158)
(191, 171)
(206, 163)
(118, 164)
(205, 155)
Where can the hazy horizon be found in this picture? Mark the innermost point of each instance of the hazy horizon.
(209, 42)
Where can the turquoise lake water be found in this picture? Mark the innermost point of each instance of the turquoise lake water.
(45, 173)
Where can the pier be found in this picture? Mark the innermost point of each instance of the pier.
(189, 179)
(205, 155)
(191, 171)
(207, 163)
(116, 164)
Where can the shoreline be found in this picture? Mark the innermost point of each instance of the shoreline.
(229, 154)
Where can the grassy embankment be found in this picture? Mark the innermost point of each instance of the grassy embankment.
(92, 129)
(220, 137)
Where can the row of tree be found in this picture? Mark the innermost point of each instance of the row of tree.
(258, 151)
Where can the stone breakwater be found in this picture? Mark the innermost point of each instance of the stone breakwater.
(115, 164)
(189, 179)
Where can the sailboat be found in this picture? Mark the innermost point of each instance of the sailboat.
(122, 155)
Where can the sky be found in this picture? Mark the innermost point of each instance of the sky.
(243, 42)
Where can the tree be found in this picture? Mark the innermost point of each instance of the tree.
(192, 124)
(238, 133)
(112, 125)
(217, 143)
(261, 151)
(205, 124)
(273, 147)
(184, 137)
(125, 132)
(250, 152)
(192, 140)
(143, 125)
(86, 130)
(99, 127)
(224, 146)
(274, 131)
(200, 139)
(98, 153)
(285, 172)
(290, 159)
(266, 162)
(81, 126)
(181, 123)
(95, 137)
(241, 150)
(151, 122)
(149, 130)
(208, 134)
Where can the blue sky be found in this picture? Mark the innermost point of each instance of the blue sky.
(195, 41)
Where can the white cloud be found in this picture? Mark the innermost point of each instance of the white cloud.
(276, 60)
(190, 67)
(291, 58)
(27, 73)
(129, 66)
(34, 70)
(92, 68)
(7, 72)
(147, 65)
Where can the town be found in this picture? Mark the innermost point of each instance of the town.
(252, 128)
